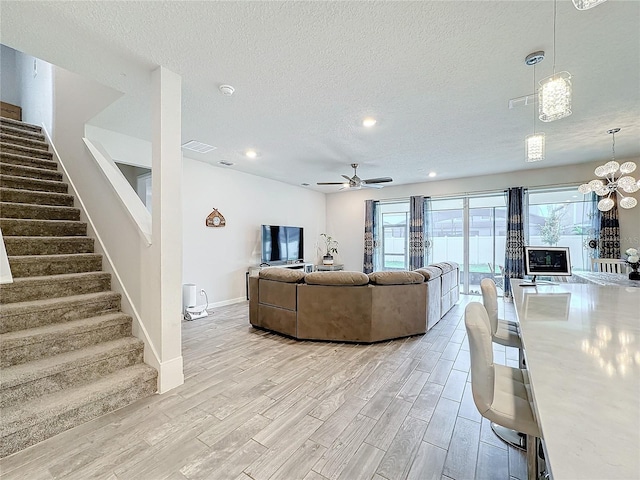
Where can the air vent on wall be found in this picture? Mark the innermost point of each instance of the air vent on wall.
(226, 164)
(199, 147)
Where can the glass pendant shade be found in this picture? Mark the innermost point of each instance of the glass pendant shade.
(535, 147)
(605, 204)
(586, 4)
(554, 97)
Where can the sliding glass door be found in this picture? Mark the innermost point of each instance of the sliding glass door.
(469, 230)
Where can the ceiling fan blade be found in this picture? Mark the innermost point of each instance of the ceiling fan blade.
(348, 178)
(371, 185)
(378, 180)
(330, 183)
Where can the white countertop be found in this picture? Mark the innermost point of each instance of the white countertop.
(582, 347)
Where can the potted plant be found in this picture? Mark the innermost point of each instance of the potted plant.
(330, 247)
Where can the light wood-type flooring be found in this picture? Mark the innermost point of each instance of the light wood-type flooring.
(259, 406)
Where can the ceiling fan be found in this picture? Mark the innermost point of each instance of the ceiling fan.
(357, 182)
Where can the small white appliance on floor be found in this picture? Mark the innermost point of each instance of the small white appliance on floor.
(191, 310)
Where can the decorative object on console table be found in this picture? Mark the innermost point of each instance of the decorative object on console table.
(331, 247)
(633, 260)
(215, 219)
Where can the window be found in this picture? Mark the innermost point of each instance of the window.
(562, 217)
(394, 219)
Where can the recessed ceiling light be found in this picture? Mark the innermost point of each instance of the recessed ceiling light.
(368, 122)
(251, 153)
(432, 174)
(199, 147)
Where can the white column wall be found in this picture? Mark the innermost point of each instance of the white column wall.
(345, 210)
(217, 259)
(162, 262)
(9, 85)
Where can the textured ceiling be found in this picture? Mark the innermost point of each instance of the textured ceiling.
(436, 75)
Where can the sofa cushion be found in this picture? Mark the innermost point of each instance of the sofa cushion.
(286, 275)
(444, 266)
(429, 273)
(395, 278)
(336, 278)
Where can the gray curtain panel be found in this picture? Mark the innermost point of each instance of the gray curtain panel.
(428, 231)
(370, 237)
(514, 248)
(416, 232)
(609, 242)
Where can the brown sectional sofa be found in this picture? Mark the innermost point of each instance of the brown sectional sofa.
(352, 306)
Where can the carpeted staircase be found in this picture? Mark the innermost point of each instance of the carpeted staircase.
(66, 350)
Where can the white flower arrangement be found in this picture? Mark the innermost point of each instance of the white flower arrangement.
(632, 257)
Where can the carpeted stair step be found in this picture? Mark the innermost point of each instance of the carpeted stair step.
(48, 245)
(11, 181)
(20, 132)
(40, 265)
(36, 343)
(34, 421)
(30, 172)
(12, 158)
(23, 141)
(38, 212)
(49, 375)
(24, 289)
(20, 125)
(24, 227)
(37, 313)
(14, 195)
(21, 150)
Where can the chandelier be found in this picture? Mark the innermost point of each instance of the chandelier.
(586, 4)
(534, 143)
(554, 96)
(616, 178)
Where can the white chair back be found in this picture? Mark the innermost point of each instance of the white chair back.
(481, 352)
(490, 301)
(609, 265)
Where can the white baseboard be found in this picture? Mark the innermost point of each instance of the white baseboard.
(170, 375)
(224, 303)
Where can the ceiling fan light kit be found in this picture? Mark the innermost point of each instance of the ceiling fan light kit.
(357, 183)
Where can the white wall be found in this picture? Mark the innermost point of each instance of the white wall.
(345, 210)
(217, 259)
(9, 85)
(35, 77)
(122, 148)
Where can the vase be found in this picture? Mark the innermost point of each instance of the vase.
(327, 260)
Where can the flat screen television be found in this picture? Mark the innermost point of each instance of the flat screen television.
(546, 261)
(281, 244)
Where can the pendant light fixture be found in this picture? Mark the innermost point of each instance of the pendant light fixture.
(586, 4)
(534, 143)
(617, 179)
(554, 96)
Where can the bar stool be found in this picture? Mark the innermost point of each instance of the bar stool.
(499, 392)
(507, 333)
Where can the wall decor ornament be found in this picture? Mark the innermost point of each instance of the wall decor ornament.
(215, 219)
